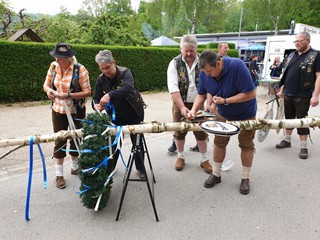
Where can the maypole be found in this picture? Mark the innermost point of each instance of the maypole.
(157, 127)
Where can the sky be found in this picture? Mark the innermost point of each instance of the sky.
(52, 6)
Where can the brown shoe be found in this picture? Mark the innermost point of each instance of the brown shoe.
(211, 181)
(75, 172)
(206, 166)
(284, 144)
(303, 153)
(179, 164)
(244, 186)
(60, 182)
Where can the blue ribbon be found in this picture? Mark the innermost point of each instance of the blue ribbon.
(85, 120)
(87, 188)
(29, 179)
(30, 174)
(122, 159)
(104, 162)
(43, 167)
(115, 141)
(111, 107)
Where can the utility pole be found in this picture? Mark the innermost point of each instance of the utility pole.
(240, 26)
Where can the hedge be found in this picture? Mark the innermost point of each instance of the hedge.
(24, 66)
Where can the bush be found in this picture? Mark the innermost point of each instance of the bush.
(24, 66)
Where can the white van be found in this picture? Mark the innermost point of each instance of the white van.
(282, 46)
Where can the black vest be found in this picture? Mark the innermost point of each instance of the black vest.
(308, 75)
(183, 81)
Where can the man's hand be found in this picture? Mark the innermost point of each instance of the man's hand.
(98, 107)
(279, 93)
(104, 100)
(218, 100)
(314, 101)
(184, 111)
(191, 114)
(213, 109)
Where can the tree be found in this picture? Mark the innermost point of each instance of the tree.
(179, 17)
(61, 29)
(150, 16)
(112, 30)
(6, 15)
(270, 14)
(232, 16)
(120, 7)
(95, 8)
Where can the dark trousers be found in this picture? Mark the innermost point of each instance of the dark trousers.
(60, 122)
(297, 107)
(139, 160)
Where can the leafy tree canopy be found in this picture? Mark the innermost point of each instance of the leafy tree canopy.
(114, 21)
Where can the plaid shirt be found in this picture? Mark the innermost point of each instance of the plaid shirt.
(62, 85)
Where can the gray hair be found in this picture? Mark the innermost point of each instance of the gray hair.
(305, 35)
(189, 40)
(104, 56)
(208, 57)
(74, 60)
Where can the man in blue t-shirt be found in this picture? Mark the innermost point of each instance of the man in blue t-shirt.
(229, 82)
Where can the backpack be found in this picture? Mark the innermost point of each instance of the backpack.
(74, 85)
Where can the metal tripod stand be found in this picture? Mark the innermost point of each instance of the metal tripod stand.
(137, 151)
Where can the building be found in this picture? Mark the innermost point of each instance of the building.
(25, 34)
(249, 43)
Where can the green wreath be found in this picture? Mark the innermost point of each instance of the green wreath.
(95, 186)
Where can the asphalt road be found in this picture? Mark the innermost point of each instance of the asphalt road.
(283, 202)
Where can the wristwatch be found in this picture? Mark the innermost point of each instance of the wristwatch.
(69, 95)
(225, 101)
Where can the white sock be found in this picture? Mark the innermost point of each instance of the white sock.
(217, 169)
(204, 157)
(181, 155)
(74, 164)
(59, 170)
(287, 138)
(303, 144)
(246, 172)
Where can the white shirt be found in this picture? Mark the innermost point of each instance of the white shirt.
(173, 79)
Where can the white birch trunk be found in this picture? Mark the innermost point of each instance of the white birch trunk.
(156, 127)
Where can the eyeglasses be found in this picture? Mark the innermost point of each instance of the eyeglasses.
(105, 68)
(298, 41)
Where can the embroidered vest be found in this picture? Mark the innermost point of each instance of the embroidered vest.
(308, 76)
(183, 81)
